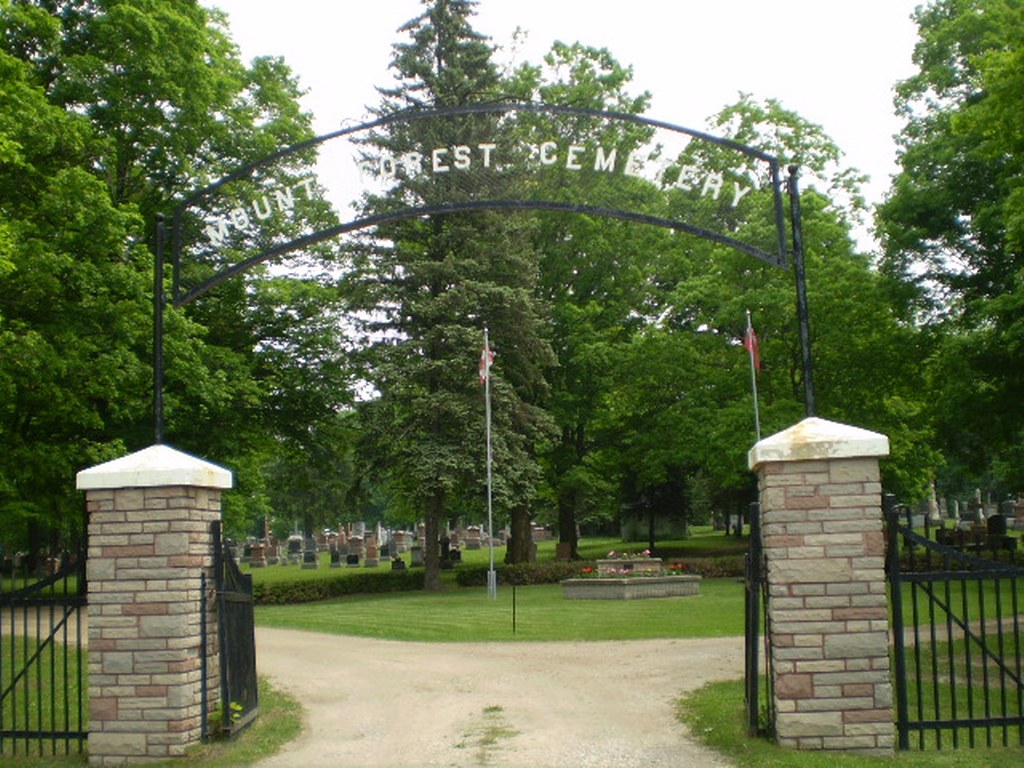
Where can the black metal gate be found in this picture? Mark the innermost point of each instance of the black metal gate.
(758, 698)
(239, 695)
(957, 641)
(43, 664)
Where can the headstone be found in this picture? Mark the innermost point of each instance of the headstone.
(473, 537)
(417, 556)
(336, 558)
(352, 560)
(257, 556)
(398, 564)
(372, 553)
(996, 525)
(934, 514)
(356, 546)
(309, 558)
(294, 549)
(402, 541)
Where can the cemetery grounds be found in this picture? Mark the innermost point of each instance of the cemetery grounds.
(528, 679)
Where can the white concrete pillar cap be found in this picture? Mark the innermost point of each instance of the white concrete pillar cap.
(156, 466)
(815, 439)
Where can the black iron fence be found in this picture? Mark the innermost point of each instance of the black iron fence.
(43, 663)
(957, 639)
(758, 693)
(239, 695)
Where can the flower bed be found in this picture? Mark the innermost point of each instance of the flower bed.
(629, 566)
(630, 587)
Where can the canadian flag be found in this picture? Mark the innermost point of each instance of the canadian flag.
(486, 361)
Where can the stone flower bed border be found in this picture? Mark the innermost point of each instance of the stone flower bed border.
(630, 578)
(630, 587)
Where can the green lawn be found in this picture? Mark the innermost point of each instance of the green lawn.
(716, 717)
(43, 697)
(540, 612)
(280, 722)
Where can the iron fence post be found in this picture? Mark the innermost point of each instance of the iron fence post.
(754, 578)
(896, 587)
(800, 273)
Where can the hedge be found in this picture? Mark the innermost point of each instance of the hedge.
(715, 567)
(312, 590)
(520, 574)
(524, 574)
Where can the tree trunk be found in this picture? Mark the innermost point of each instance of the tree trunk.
(432, 544)
(520, 545)
(567, 523)
(34, 556)
(651, 523)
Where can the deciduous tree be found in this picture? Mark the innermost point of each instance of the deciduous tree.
(952, 230)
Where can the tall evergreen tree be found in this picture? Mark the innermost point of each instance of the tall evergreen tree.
(429, 287)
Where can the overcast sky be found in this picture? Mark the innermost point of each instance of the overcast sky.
(832, 61)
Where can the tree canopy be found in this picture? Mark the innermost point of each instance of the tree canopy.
(342, 382)
(951, 230)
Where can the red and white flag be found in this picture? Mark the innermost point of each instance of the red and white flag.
(486, 361)
(750, 344)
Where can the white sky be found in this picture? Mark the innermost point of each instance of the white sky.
(834, 62)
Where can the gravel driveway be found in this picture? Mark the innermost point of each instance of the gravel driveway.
(535, 705)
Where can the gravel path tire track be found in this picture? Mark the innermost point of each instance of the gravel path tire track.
(381, 703)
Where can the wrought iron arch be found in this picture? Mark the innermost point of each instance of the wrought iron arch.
(225, 216)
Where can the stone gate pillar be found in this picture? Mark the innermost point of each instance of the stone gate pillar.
(822, 525)
(149, 542)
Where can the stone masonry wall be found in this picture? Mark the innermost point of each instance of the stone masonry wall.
(827, 606)
(147, 550)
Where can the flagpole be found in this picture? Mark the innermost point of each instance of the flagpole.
(492, 576)
(753, 375)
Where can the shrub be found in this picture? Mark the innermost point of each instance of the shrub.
(715, 567)
(311, 590)
(525, 574)
(519, 574)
